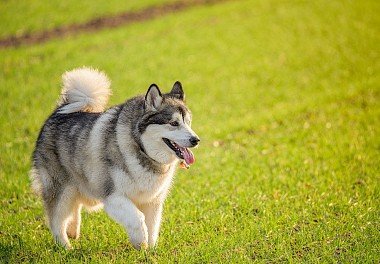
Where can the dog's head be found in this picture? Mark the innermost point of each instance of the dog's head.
(165, 128)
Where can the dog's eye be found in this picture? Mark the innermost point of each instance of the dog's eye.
(174, 123)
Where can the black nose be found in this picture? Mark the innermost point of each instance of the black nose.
(194, 141)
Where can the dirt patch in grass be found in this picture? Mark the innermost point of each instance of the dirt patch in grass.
(103, 22)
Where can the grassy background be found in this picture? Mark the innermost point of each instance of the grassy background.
(21, 17)
(285, 96)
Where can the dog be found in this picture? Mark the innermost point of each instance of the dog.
(121, 159)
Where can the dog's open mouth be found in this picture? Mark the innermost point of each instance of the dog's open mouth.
(182, 153)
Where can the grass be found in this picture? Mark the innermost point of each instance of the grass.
(285, 96)
(21, 17)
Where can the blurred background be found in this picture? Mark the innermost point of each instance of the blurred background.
(284, 94)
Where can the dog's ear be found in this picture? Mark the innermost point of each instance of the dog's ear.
(153, 98)
(177, 91)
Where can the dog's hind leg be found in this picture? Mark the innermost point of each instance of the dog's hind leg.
(73, 226)
(60, 214)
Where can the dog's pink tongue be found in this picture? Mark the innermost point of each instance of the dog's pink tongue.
(188, 156)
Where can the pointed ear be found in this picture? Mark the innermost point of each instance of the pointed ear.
(177, 91)
(153, 98)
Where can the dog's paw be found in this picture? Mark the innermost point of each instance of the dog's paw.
(139, 237)
(73, 231)
(142, 246)
(152, 241)
(73, 234)
(139, 244)
(60, 242)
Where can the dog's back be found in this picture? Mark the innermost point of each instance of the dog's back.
(84, 95)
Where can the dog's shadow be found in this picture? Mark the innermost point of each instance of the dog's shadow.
(19, 252)
(6, 252)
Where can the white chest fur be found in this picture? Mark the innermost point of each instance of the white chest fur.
(144, 187)
(140, 184)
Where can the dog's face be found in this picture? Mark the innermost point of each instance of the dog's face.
(166, 126)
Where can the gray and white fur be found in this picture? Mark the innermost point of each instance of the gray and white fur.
(122, 158)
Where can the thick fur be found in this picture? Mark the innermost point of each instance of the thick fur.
(84, 90)
(116, 158)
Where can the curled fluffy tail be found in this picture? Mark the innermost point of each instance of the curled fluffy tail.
(84, 90)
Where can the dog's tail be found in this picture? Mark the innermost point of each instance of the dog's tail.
(84, 90)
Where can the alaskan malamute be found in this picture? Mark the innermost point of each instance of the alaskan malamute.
(123, 158)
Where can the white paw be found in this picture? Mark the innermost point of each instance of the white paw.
(64, 242)
(152, 241)
(139, 236)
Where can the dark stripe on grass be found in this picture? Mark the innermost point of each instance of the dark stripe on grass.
(103, 22)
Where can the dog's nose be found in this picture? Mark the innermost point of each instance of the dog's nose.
(194, 141)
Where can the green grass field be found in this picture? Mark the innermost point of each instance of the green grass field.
(20, 17)
(285, 96)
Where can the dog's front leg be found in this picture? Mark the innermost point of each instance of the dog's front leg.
(123, 211)
(152, 212)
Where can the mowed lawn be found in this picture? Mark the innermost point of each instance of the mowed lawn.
(23, 17)
(285, 96)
